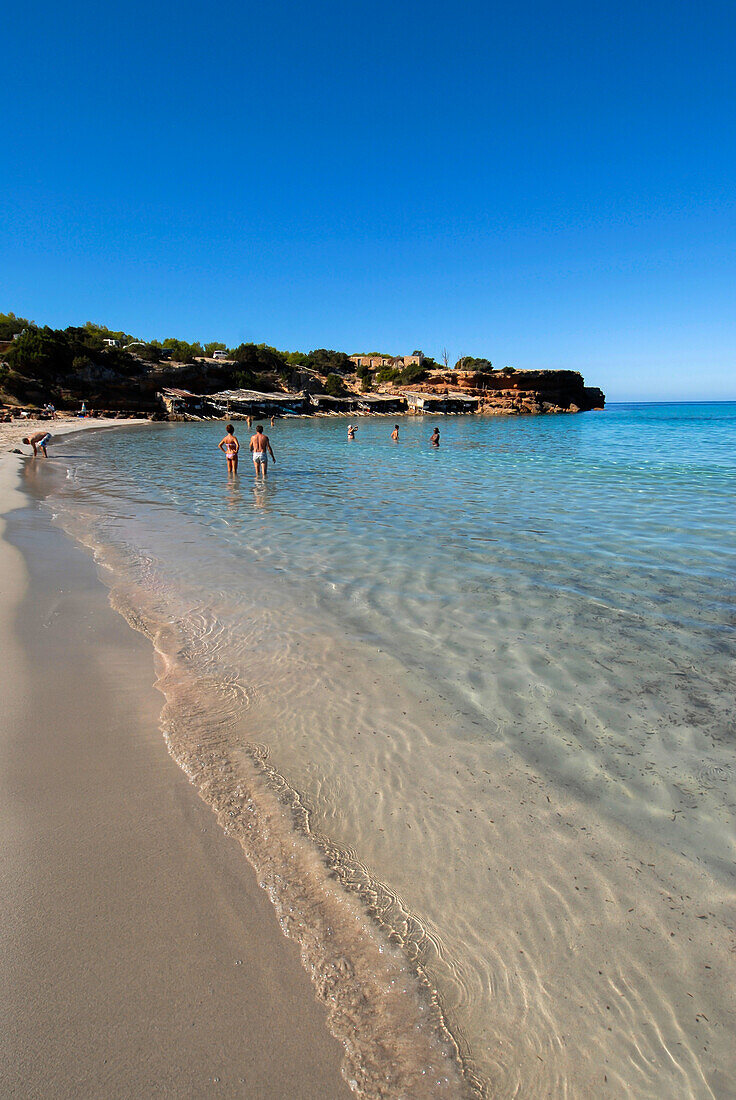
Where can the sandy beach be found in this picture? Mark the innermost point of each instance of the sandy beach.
(140, 956)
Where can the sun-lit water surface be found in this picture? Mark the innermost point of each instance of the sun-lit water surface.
(500, 677)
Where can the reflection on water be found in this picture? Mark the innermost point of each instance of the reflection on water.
(233, 493)
(497, 681)
(264, 494)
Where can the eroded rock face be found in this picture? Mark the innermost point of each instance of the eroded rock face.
(521, 393)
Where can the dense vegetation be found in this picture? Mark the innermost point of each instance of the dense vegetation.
(482, 366)
(112, 369)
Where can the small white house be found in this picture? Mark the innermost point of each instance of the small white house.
(110, 342)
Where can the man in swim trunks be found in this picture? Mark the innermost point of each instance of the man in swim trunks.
(40, 439)
(260, 445)
(230, 447)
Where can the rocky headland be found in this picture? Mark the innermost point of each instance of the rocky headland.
(520, 391)
(115, 374)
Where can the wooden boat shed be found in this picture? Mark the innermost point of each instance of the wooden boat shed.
(252, 403)
(234, 403)
(359, 403)
(420, 402)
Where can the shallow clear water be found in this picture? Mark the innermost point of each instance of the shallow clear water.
(493, 686)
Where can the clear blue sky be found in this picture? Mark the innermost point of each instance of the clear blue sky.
(547, 184)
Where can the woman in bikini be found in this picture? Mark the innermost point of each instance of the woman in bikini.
(230, 447)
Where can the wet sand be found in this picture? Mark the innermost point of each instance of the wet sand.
(139, 955)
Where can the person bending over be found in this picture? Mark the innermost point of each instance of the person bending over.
(40, 439)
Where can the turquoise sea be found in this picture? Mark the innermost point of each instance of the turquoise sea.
(470, 713)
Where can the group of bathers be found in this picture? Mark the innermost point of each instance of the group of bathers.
(260, 458)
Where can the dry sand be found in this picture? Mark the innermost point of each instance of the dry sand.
(12, 434)
(139, 955)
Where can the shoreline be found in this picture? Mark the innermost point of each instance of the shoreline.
(141, 953)
(632, 881)
(380, 1007)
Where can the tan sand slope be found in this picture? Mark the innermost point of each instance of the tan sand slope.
(139, 956)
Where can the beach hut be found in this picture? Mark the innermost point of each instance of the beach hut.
(419, 401)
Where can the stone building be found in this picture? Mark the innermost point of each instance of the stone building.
(376, 362)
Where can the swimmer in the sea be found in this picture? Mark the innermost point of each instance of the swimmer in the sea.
(395, 433)
(352, 429)
(230, 447)
(434, 439)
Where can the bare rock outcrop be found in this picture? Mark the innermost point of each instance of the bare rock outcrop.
(521, 393)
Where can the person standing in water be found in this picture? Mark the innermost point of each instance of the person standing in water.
(260, 445)
(352, 429)
(395, 433)
(435, 438)
(230, 447)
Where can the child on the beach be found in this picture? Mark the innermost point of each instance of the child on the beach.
(230, 447)
(40, 439)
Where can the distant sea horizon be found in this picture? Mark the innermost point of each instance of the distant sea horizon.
(676, 401)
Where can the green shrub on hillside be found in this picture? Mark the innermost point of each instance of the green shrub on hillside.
(414, 372)
(100, 333)
(150, 353)
(181, 351)
(327, 361)
(334, 386)
(244, 380)
(467, 362)
(296, 358)
(10, 324)
(40, 352)
(259, 358)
